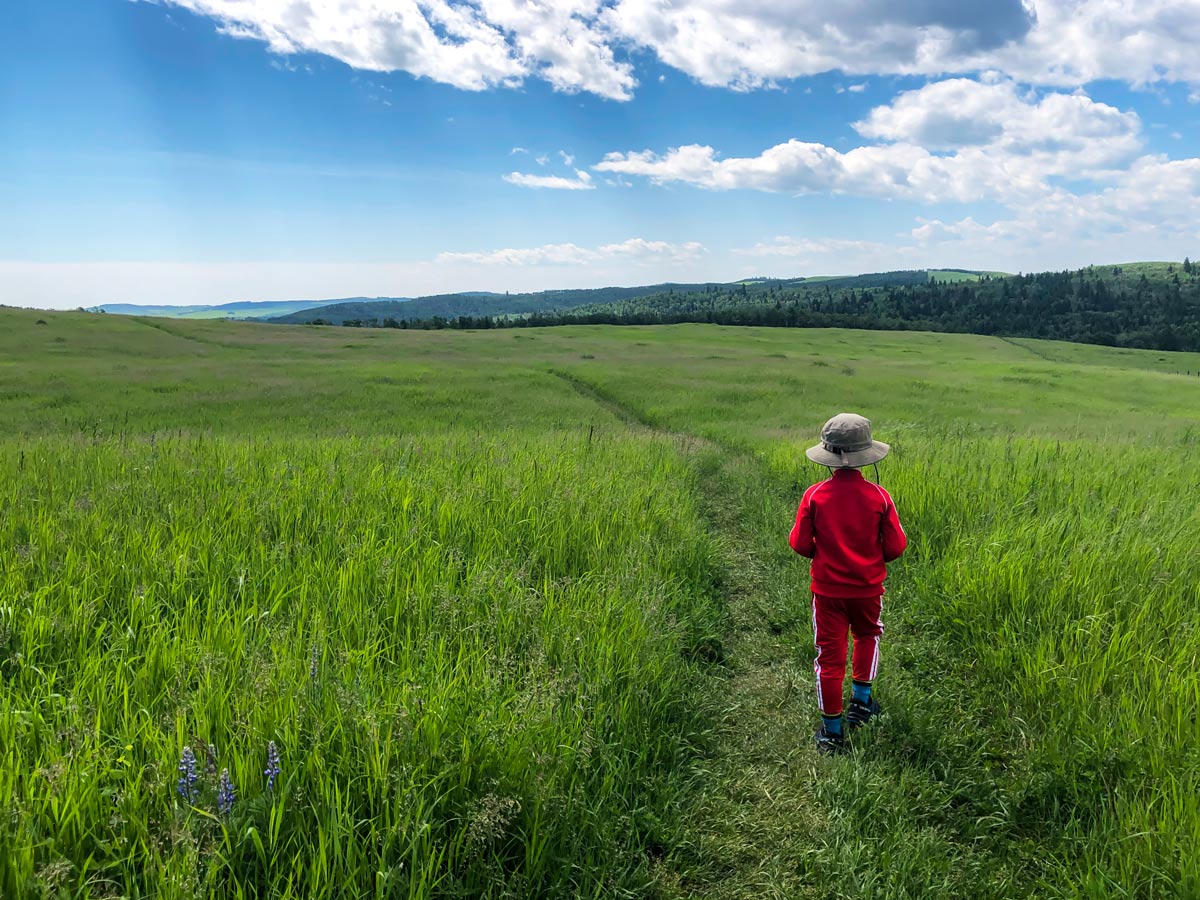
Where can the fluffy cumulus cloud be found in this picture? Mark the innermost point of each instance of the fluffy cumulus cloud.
(750, 43)
(472, 45)
(1052, 42)
(955, 140)
(1145, 212)
(1072, 171)
(1155, 198)
(1078, 41)
(634, 250)
(1063, 129)
(587, 45)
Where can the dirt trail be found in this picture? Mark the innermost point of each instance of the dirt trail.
(183, 336)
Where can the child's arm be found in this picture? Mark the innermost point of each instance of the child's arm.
(803, 536)
(891, 533)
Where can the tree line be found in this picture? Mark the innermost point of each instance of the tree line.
(1151, 306)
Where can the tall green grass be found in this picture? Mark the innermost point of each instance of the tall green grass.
(472, 654)
(1062, 579)
(469, 595)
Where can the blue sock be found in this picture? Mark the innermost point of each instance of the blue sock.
(833, 724)
(862, 691)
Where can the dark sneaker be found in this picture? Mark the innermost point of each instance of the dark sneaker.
(829, 743)
(859, 713)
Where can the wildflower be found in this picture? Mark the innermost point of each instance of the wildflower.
(314, 659)
(272, 770)
(186, 786)
(211, 763)
(225, 794)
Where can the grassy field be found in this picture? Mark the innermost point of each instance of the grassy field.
(516, 612)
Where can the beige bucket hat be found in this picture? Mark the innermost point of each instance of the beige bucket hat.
(846, 443)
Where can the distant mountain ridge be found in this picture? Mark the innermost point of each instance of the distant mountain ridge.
(473, 304)
(239, 309)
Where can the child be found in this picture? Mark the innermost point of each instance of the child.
(849, 528)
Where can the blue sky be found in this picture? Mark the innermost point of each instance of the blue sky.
(213, 150)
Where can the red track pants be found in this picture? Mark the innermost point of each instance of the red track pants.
(833, 619)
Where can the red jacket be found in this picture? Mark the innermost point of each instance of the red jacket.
(849, 528)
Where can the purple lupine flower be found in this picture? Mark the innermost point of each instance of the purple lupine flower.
(186, 786)
(272, 770)
(210, 764)
(225, 794)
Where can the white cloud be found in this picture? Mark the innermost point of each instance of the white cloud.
(1057, 42)
(892, 171)
(759, 42)
(1004, 146)
(857, 88)
(561, 41)
(1079, 41)
(644, 251)
(472, 45)
(542, 159)
(1154, 201)
(809, 248)
(1058, 133)
(567, 158)
(1069, 168)
(547, 254)
(583, 45)
(636, 250)
(516, 150)
(1147, 213)
(581, 182)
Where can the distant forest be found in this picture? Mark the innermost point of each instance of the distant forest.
(1145, 305)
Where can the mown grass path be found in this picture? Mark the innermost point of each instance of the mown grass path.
(748, 816)
(758, 815)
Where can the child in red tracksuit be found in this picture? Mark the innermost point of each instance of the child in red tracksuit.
(849, 527)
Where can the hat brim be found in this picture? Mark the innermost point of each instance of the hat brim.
(855, 459)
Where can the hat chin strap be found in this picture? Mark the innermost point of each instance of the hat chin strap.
(841, 450)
